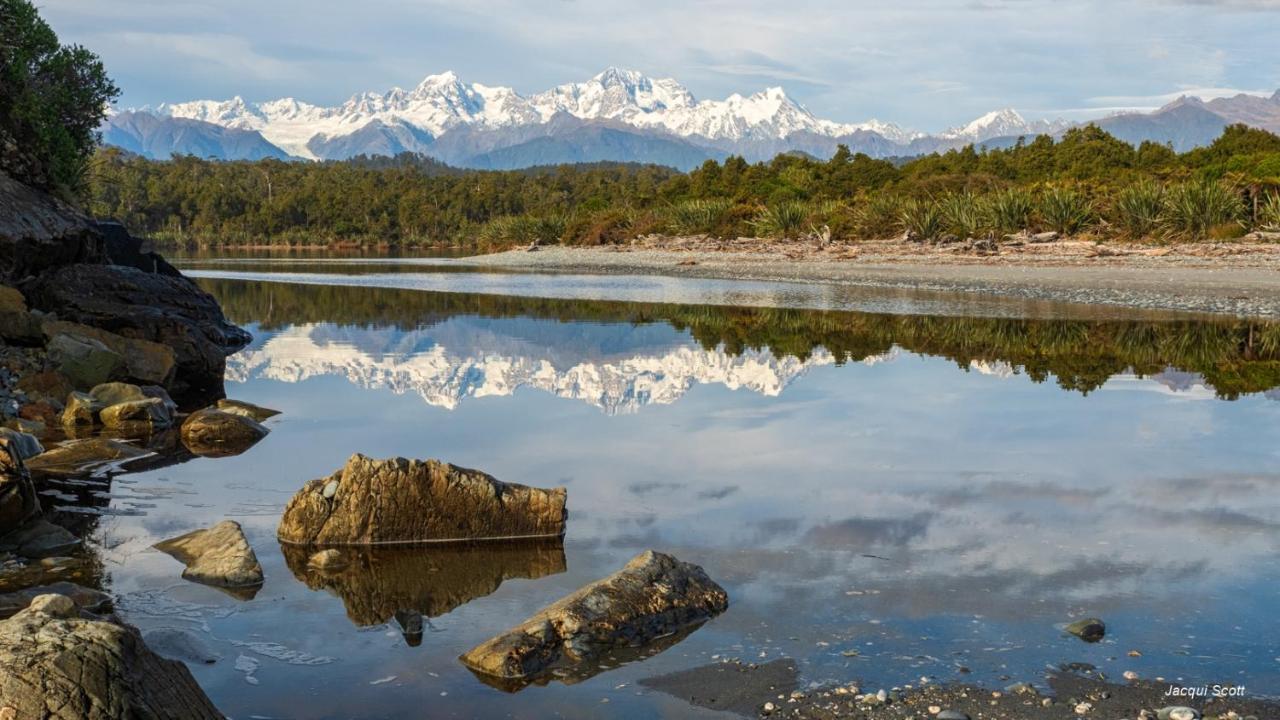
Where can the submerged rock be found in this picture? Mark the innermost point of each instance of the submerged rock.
(249, 410)
(87, 456)
(219, 556)
(1089, 630)
(403, 501)
(376, 583)
(215, 433)
(54, 664)
(653, 596)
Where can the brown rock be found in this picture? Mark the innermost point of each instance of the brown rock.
(49, 386)
(653, 596)
(84, 360)
(112, 393)
(214, 433)
(403, 501)
(377, 582)
(219, 556)
(41, 412)
(145, 361)
(11, 300)
(81, 409)
(146, 414)
(19, 327)
(58, 666)
(86, 599)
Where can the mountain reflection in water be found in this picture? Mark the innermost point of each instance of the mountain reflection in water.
(448, 347)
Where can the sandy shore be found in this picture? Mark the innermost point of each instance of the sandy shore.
(1229, 278)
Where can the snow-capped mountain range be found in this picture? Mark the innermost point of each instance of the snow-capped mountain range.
(492, 118)
(620, 115)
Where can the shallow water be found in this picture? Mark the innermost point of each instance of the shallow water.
(884, 496)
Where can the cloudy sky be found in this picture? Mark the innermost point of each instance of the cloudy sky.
(927, 64)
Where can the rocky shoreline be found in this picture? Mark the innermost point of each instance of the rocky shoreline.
(1240, 279)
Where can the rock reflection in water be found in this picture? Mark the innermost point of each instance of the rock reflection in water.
(405, 583)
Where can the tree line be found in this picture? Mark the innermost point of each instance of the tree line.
(1087, 181)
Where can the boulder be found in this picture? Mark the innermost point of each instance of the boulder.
(214, 433)
(377, 582)
(85, 599)
(155, 391)
(11, 299)
(88, 456)
(19, 327)
(113, 393)
(404, 501)
(19, 504)
(166, 309)
(652, 597)
(249, 410)
(25, 445)
(84, 361)
(145, 361)
(146, 414)
(38, 232)
(49, 386)
(81, 409)
(39, 538)
(219, 556)
(54, 664)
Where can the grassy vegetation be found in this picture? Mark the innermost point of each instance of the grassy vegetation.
(1086, 184)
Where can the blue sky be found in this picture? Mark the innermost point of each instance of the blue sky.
(927, 64)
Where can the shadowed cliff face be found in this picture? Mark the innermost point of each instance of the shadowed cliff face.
(378, 583)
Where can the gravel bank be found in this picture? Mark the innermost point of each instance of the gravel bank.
(1242, 281)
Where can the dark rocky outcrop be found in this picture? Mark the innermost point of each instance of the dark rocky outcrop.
(405, 501)
(376, 583)
(653, 596)
(106, 307)
(55, 664)
(165, 309)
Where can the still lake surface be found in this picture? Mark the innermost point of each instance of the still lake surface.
(934, 483)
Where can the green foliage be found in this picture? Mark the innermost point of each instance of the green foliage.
(877, 216)
(699, 216)
(787, 219)
(1065, 209)
(1138, 209)
(1193, 209)
(52, 99)
(1010, 210)
(964, 214)
(922, 219)
(1269, 213)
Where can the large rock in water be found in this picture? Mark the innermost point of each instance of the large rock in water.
(215, 433)
(405, 501)
(166, 309)
(55, 665)
(653, 596)
(219, 556)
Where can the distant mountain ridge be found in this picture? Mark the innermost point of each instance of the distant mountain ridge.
(618, 115)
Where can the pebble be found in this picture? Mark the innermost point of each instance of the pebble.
(1083, 708)
(330, 489)
(1130, 675)
(952, 715)
(768, 707)
(1177, 712)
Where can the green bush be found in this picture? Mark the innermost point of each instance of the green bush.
(964, 214)
(1010, 210)
(1269, 213)
(52, 99)
(1196, 209)
(877, 216)
(1138, 209)
(787, 219)
(922, 218)
(696, 217)
(1065, 210)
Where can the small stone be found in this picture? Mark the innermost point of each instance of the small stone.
(56, 605)
(1083, 708)
(1130, 675)
(1177, 712)
(952, 715)
(1090, 629)
(330, 489)
(768, 708)
(934, 709)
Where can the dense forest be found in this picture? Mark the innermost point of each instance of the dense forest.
(1084, 183)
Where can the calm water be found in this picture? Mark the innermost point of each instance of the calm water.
(935, 490)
